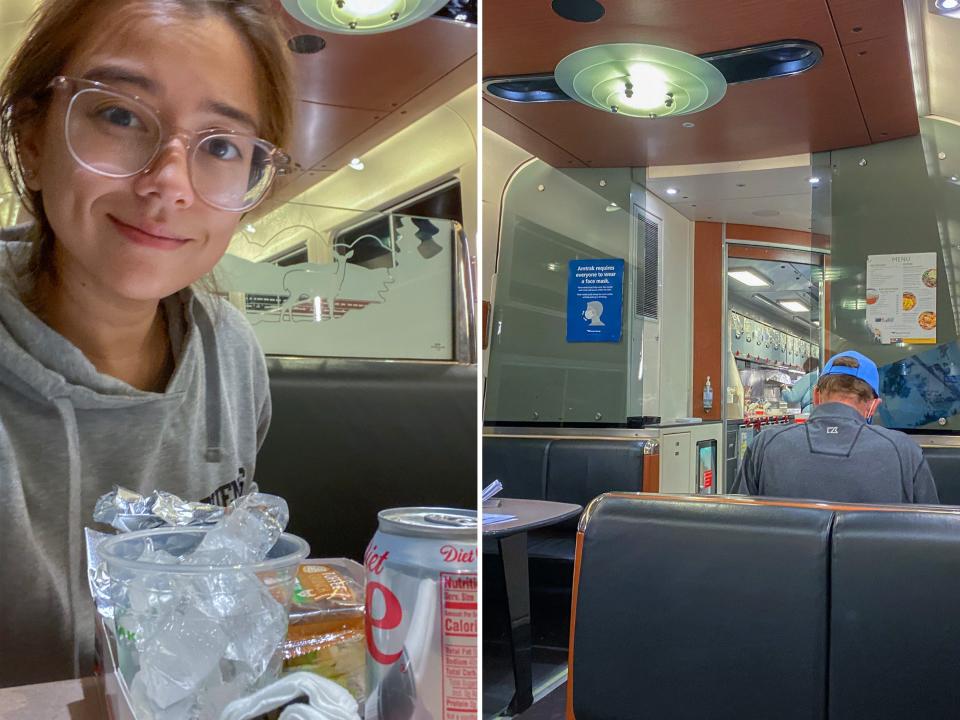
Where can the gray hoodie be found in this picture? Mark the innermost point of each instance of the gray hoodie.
(69, 433)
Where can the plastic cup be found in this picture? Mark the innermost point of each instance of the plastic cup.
(145, 593)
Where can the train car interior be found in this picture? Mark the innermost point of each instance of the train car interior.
(357, 274)
(781, 189)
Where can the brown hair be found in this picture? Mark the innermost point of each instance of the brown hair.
(59, 27)
(810, 364)
(845, 384)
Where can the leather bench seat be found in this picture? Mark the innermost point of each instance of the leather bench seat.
(944, 463)
(728, 607)
(351, 437)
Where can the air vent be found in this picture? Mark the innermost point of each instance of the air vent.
(757, 62)
(647, 292)
(526, 89)
(762, 62)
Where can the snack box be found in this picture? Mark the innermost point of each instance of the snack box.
(326, 632)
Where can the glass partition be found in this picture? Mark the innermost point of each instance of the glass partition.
(538, 371)
(894, 227)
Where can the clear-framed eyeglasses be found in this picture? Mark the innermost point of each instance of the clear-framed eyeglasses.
(118, 135)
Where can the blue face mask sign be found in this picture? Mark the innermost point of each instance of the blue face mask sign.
(595, 300)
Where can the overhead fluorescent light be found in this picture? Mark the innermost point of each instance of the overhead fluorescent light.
(671, 191)
(793, 305)
(750, 278)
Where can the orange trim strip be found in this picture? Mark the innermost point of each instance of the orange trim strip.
(761, 233)
(708, 319)
(759, 501)
(573, 622)
(651, 473)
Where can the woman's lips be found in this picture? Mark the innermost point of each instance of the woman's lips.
(147, 236)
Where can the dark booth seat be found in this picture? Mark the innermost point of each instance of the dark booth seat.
(726, 607)
(351, 437)
(689, 611)
(944, 462)
(562, 470)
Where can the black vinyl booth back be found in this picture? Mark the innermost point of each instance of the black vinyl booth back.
(684, 612)
(895, 621)
(944, 462)
(727, 608)
(352, 437)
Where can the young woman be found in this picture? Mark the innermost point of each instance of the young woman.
(138, 132)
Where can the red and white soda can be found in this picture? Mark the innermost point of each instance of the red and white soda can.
(421, 615)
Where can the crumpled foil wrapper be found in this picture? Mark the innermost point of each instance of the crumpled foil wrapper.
(128, 511)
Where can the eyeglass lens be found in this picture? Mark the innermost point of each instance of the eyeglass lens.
(116, 136)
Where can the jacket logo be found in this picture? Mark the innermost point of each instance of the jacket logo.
(833, 431)
(226, 494)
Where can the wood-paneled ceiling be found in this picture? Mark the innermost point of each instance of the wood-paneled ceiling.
(362, 89)
(861, 92)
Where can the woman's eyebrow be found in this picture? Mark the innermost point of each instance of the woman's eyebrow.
(115, 73)
(231, 112)
(118, 74)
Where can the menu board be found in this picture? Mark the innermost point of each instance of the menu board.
(902, 298)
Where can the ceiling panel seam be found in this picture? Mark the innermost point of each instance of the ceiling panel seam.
(846, 66)
(537, 133)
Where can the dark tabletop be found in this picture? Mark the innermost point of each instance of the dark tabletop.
(530, 514)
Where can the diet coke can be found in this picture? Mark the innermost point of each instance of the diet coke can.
(421, 615)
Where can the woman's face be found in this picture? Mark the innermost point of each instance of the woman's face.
(147, 236)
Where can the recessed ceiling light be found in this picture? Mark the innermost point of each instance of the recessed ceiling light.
(612, 207)
(584, 11)
(688, 125)
(357, 164)
(306, 44)
(814, 180)
(750, 278)
(640, 81)
(358, 17)
(948, 4)
(671, 191)
(793, 305)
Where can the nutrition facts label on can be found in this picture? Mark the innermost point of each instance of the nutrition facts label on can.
(459, 598)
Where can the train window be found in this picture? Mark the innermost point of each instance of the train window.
(390, 284)
(369, 241)
(297, 255)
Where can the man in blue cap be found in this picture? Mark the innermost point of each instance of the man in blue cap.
(837, 454)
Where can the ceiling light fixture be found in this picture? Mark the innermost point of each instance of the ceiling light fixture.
(947, 4)
(671, 191)
(642, 81)
(749, 277)
(357, 17)
(793, 305)
(814, 180)
(357, 164)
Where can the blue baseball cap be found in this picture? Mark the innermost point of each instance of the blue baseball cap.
(867, 371)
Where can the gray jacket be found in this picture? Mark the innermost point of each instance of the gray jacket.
(837, 456)
(69, 433)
